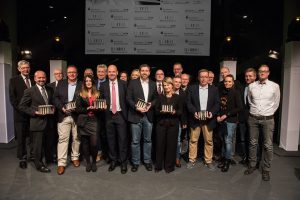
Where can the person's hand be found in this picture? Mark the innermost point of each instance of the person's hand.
(184, 126)
(66, 111)
(209, 115)
(38, 114)
(219, 119)
(196, 115)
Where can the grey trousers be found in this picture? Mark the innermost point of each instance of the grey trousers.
(267, 129)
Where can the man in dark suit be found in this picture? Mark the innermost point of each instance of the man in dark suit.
(17, 85)
(114, 92)
(67, 91)
(39, 124)
(202, 97)
(58, 76)
(159, 77)
(102, 139)
(141, 118)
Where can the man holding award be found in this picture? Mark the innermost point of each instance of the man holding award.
(203, 104)
(141, 95)
(65, 96)
(36, 102)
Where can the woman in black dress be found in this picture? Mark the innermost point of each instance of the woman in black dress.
(168, 109)
(87, 121)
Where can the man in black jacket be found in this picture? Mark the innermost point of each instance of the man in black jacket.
(17, 85)
(40, 124)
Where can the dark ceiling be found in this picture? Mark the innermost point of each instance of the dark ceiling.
(253, 35)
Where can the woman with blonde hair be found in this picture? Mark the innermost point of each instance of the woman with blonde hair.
(168, 109)
(87, 121)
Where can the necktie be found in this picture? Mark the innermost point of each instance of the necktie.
(113, 99)
(27, 82)
(159, 88)
(44, 95)
(99, 85)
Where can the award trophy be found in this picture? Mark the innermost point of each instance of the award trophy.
(141, 104)
(71, 105)
(46, 109)
(100, 104)
(167, 108)
(203, 114)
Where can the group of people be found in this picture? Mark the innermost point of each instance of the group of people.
(142, 120)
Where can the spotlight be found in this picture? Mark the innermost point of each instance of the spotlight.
(228, 38)
(273, 54)
(57, 39)
(26, 54)
(293, 33)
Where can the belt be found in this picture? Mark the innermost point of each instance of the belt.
(262, 117)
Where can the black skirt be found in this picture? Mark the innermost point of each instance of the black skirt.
(90, 127)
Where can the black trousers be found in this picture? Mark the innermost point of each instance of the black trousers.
(39, 146)
(22, 132)
(117, 139)
(166, 143)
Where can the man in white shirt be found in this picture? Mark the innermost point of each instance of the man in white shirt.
(263, 98)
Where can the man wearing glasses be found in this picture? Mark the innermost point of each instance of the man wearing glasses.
(264, 98)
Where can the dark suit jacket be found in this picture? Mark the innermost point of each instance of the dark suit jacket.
(32, 98)
(135, 92)
(193, 105)
(105, 94)
(52, 85)
(61, 97)
(184, 116)
(16, 91)
(244, 114)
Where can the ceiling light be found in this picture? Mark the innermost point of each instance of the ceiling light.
(245, 17)
(50, 6)
(273, 54)
(65, 17)
(228, 38)
(57, 39)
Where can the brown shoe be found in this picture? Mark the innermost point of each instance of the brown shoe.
(178, 164)
(76, 163)
(60, 170)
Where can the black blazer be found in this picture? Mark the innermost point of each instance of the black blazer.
(52, 85)
(61, 97)
(16, 91)
(105, 94)
(184, 116)
(193, 105)
(135, 92)
(244, 113)
(30, 101)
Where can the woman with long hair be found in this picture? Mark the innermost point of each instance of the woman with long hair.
(87, 121)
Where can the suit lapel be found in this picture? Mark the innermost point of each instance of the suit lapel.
(107, 92)
(140, 87)
(197, 96)
(39, 95)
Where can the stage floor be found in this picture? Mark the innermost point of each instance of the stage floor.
(183, 183)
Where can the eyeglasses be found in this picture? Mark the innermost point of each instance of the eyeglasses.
(262, 71)
(72, 72)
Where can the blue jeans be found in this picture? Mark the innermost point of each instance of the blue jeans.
(228, 131)
(136, 129)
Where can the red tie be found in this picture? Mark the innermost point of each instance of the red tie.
(113, 99)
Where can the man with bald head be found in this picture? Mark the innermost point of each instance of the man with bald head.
(40, 124)
(114, 92)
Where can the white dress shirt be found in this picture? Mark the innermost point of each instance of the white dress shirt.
(145, 86)
(40, 89)
(117, 94)
(203, 96)
(263, 98)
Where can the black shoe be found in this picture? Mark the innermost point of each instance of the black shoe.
(123, 168)
(257, 165)
(156, 170)
(221, 164)
(134, 168)
(244, 161)
(169, 170)
(23, 164)
(265, 175)
(88, 167)
(31, 159)
(94, 167)
(148, 166)
(232, 162)
(112, 166)
(225, 168)
(44, 169)
(250, 170)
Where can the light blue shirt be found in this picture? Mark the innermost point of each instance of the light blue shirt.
(203, 96)
(71, 91)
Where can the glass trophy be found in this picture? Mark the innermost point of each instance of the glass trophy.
(141, 104)
(46, 109)
(203, 115)
(167, 108)
(71, 105)
(100, 103)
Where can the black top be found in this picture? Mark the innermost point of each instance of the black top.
(230, 104)
(175, 101)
